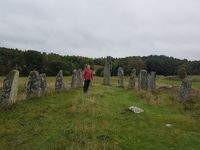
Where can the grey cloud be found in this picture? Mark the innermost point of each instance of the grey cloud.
(96, 28)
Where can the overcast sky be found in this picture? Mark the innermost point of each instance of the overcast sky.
(96, 28)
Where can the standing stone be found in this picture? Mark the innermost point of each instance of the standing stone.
(10, 89)
(33, 85)
(142, 80)
(152, 81)
(107, 71)
(43, 84)
(79, 78)
(120, 77)
(74, 79)
(185, 90)
(59, 84)
(131, 83)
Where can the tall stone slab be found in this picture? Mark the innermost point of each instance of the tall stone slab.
(59, 84)
(152, 81)
(143, 80)
(10, 89)
(107, 71)
(120, 77)
(79, 78)
(131, 83)
(185, 90)
(43, 84)
(33, 86)
(74, 79)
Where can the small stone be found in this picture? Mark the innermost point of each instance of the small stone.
(43, 84)
(107, 71)
(79, 74)
(131, 83)
(33, 85)
(10, 89)
(152, 81)
(168, 125)
(136, 110)
(74, 79)
(120, 77)
(59, 84)
(142, 80)
(185, 90)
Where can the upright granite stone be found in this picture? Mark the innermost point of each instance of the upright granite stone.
(185, 90)
(43, 84)
(107, 71)
(142, 80)
(120, 77)
(79, 74)
(152, 81)
(10, 89)
(33, 85)
(131, 83)
(74, 79)
(59, 84)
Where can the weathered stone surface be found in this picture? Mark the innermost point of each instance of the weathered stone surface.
(33, 85)
(74, 79)
(131, 83)
(120, 77)
(142, 80)
(152, 81)
(185, 90)
(59, 84)
(79, 78)
(10, 89)
(136, 110)
(43, 84)
(107, 71)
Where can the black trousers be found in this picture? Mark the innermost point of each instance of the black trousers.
(86, 86)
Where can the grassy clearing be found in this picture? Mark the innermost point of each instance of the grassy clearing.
(70, 121)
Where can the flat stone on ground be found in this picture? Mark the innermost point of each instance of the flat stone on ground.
(136, 110)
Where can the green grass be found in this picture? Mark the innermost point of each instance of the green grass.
(177, 82)
(70, 121)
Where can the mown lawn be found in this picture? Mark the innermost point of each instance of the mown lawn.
(101, 120)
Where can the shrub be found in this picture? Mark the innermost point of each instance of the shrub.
(182, 72)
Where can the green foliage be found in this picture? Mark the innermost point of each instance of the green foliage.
(29, 60)
(99, 72)
(182, 72)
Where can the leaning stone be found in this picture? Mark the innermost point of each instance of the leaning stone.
(142, 80)
(10, 89)
(79, 74)
(74, 79)
(185, 90)
(152, 81)
(107, 71)
(131, 83)
(136, 110)
(120, 77)
(43, 84)
(33, 85)
(59, 84)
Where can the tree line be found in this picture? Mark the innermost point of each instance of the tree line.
(26, 61)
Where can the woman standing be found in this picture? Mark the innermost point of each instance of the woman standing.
(87, 76)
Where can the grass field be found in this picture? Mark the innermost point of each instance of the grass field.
(101, 120)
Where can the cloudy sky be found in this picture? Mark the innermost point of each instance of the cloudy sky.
(96, 28)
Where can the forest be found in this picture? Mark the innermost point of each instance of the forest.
(50, 63)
